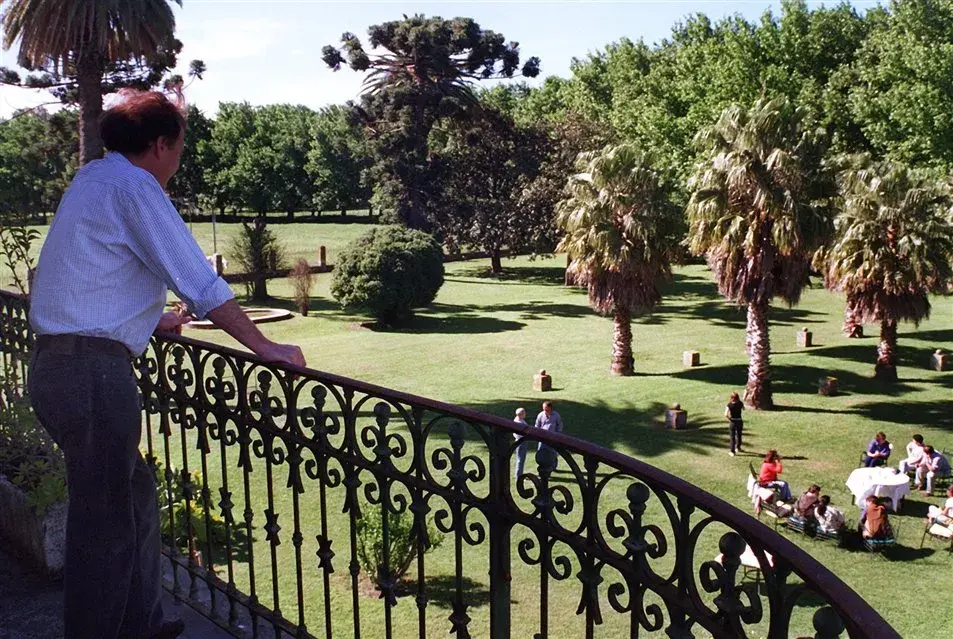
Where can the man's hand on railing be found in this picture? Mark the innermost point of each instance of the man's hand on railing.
(281, 354)
(171, 323)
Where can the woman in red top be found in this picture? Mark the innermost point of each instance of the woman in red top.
(770, 470)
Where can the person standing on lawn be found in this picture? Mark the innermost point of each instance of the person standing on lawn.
(735, 423)
(115, 244)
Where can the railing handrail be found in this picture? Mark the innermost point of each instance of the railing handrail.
(860, 616)
(820, 578)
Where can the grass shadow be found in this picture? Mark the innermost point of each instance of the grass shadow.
(936, 413)
(538, 310)
(796, 378)
(907, 355)
(637, 427)
(442, 591)
(545, 275)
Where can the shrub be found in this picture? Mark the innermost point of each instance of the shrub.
(28, 456)
(196, 513)
(257, 251)
(301, 283)
(402, 546)
(388, 272)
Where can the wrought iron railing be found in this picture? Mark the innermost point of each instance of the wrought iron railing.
(269, 475)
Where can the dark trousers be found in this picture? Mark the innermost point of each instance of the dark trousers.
(871, 462)
(90, 405)
(734, 434)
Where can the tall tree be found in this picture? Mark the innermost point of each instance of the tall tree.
(339, 161)
(423, 75)
(82, 49)
(189, 182)
(902, 93)
(234, 123)
(486, 164)
(761, 204)
(893, 247)
(618, 223)
(38, 152)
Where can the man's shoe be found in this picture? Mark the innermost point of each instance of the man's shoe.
(731, 452)
(169, 630)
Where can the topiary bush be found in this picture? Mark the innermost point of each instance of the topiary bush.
(388, 272)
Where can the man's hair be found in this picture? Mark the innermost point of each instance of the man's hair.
(547, 404)
(138, 120)
(825, 499)
(918, 438)
(928, 449)
(872, 500)
(822, 509)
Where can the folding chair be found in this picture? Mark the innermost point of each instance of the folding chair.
(939, 532)
(767, 500)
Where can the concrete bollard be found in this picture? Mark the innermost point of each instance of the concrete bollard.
(805, 338)
(322, 256)
(691, 358)
(676, 418)
(542, 382)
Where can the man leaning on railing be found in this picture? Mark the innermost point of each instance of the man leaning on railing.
(99, 291)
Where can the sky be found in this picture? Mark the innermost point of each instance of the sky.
(269, 51)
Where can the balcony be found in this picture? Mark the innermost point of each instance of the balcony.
(271, 479)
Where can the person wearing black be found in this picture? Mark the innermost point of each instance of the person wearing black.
(735, 423)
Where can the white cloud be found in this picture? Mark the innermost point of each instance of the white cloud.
(228, 39)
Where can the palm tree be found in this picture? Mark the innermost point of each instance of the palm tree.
(893, 247)
(79, 38)
(619, 224)
(760, 205)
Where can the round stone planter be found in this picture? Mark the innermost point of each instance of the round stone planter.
(41, 540)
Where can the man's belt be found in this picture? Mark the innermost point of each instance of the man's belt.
(69, 344)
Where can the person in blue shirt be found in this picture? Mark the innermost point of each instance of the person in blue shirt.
(115, 247)
(878, 450)
(549, 419)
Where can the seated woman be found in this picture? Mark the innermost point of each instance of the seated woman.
(874, 521)
(768, 477)
(878, 450)
(806, 503)
(944, 515)
(829, 519)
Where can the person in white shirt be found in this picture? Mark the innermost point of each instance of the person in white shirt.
(115, 245)
(943, 515)
(933, 465)
(914, 454)
(829, 519)
(520, 418)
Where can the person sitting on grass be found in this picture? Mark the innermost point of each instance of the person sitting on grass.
(878, 450)
(829, 519)
(944, 515)
(874, 522)
(768, 477)
(933, 465)
(914, 454)
(804, 507)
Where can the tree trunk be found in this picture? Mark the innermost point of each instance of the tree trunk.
(259, 291)
(343, 212)
(886, 368)
(758, 390)
(89, 78)
(291, 216)
(852, 325)
(496, 263)
(622, 361)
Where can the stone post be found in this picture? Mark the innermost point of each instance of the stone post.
(691, 358)
(805, 338)
(217, 262)
(676, 418)
(941, 361)
(542, 382)
(827, 386)
(322, 256)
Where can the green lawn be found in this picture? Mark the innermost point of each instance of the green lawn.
(298, 240)
(483, 339)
